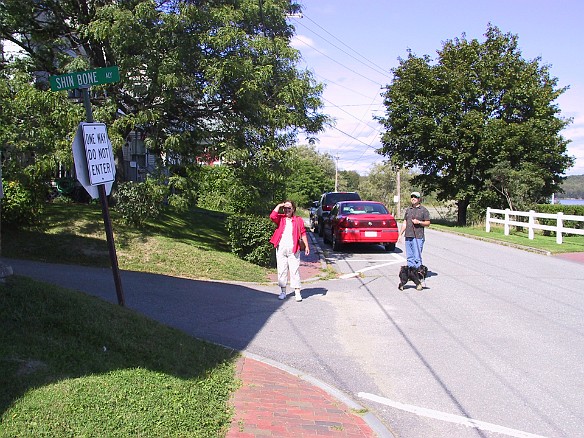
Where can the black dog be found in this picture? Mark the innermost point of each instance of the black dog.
(417, 275)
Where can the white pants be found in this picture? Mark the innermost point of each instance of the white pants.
(287, 261)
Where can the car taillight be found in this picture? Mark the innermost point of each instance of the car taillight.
(390, 223)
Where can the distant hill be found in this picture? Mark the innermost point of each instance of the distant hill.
(573, 188)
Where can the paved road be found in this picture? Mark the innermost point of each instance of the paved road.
(493, 347)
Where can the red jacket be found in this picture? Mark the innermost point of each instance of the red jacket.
(297, 231)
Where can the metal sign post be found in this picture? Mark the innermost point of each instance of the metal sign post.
(99, 166)
(105, 212)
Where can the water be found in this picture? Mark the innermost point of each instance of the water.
(571, 201)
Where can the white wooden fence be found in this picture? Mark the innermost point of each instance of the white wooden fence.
(510, 218)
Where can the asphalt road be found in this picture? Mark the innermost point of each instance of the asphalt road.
(494, 346)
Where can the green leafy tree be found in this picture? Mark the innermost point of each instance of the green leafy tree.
(197, 77)
(348, 181)
(380, 185)
(310, 174)
(477, 105)
(521, 187)
(35, 135)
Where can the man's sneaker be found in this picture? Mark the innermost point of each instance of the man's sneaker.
(400, 286)
(282, 295)
(297, 295)
(419, 286)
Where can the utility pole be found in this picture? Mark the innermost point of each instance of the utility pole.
(337, 174)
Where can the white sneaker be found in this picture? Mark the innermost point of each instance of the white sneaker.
(297, 295)
(282, 295)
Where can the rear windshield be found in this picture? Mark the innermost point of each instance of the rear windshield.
(362, 208)
(333, 198)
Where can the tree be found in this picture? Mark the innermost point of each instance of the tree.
(520, 186)
(310, 174)
(477, 105)
(35, 133)
(196, 75)
(348, 181)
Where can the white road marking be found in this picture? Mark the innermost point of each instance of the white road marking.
(397, 257)
(443, 416)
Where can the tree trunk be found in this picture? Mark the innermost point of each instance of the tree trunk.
(462, 209)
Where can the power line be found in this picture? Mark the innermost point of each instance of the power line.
(375, 68)
(340, 85)
(342, 65)
(354, 138)
(353, 50)
(347, 112)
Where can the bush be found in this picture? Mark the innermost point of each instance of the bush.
(574, 210)
(139, 201)
(19, 207)
(249, 237)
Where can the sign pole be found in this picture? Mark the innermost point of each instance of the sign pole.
(105, 212)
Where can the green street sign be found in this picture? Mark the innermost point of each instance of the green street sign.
(85, 79)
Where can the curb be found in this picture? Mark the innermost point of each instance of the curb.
(314, 241)
(372, 421)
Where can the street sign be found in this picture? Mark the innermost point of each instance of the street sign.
(85, 79)
(93, 157)
(98, 152)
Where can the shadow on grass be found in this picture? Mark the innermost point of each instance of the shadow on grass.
(61, 334)
(49, 334)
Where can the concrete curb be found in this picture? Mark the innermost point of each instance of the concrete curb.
(319, 251)
(372, 421)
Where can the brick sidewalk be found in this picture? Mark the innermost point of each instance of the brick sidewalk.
(274, 403)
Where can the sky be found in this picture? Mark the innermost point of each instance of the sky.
(351, 46)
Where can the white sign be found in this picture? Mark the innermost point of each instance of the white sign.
(98, 152)
(82, 169)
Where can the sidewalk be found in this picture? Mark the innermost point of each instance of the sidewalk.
(272, 402)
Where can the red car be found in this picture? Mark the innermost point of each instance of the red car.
(360, 222)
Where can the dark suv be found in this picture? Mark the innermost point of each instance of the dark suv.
(327, 201)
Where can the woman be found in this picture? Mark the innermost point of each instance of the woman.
(289, 232)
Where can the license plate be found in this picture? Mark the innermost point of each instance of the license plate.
(370, 233)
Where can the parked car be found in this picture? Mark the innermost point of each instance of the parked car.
(327, 201)
(360, 222)
(312, 210)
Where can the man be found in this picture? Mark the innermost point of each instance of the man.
(415, 219)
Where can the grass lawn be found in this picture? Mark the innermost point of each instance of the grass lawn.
(73, 365)
(519, 238)
(190, 245)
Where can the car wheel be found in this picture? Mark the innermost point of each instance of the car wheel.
(390, 246)
(336, 242)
